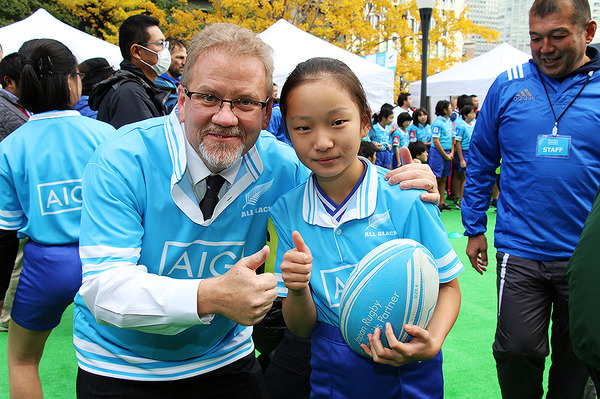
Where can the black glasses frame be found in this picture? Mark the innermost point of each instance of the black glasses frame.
(189, 93)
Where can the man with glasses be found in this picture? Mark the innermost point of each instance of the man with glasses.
(174, 226)
(130, 95)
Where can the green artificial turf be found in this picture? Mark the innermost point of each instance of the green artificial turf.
(469, 369)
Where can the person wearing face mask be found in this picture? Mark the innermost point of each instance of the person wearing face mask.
(130, 95)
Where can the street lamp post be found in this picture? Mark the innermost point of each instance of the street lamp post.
(425, 9)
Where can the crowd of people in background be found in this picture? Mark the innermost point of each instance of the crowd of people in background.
(446, 140)
(146, 195)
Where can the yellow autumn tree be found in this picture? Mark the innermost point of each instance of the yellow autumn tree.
(332, 20)
(103, 17)
(348, 24)
(359, 26)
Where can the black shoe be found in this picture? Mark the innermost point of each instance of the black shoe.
(457, 205)
(494, 203)
(444, 207)
(451, 198)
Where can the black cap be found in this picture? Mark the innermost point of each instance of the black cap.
(96, 70)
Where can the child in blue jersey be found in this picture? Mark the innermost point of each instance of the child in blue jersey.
(41, 167)
(380, 135)
(463, 129)
(332, 216)
(442, 151)
(400, 138)
(420, 129)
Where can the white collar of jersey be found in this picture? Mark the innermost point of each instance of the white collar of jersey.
(54, 114)
(250, 169)
(360, 206)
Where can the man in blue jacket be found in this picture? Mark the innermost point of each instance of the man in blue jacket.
(540, 118)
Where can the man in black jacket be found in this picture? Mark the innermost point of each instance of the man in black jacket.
(130, 95)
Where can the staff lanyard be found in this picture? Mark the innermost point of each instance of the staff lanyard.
(555, 128)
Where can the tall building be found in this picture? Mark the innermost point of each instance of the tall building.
(484, 13)
(513, 21)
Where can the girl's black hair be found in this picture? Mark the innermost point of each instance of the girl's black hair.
(419, 112)
(47, 65)
(403, 117)
(441, 106)
(331, 69)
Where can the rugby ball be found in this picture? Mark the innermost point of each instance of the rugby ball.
(397, 282)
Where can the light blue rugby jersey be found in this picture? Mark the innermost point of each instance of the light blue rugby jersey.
(400, 138)
(442, 129)
(144, 237)
(422, 133)
(463, 132)
(376, 213)
(380, 134)
(41, 166)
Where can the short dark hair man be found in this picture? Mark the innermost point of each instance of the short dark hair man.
(461, 101)
(539, 117)
(130, 95)
(404, 105)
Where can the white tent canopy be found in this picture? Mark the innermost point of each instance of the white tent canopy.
(42, 25)
(474, 76)
(292, 45)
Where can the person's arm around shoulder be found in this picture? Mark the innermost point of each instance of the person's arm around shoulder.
(412, 175)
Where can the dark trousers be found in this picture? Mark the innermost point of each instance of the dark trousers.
(288, 375)
(242, 379)
(529, 294)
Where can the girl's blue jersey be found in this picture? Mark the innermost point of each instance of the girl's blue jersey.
(463, 132)
(380, 134)
(400, 138)
(375, 213)
(421, 133)
(41, 167)
(441, 128)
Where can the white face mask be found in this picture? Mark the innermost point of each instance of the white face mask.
(164, 60)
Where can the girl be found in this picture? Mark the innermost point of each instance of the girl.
(440, 157)
(421, 127)
(380, 135)
(462, 136)
(41, 166)
(331, 216)
(400, 138)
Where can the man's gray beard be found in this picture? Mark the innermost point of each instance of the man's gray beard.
(220, 156)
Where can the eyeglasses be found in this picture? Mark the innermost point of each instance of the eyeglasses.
(163, 44)
(210, 103)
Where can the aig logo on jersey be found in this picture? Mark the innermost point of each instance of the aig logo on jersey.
(333, 283)
(252, 198)
(377, 221)
(198, 259)
(59, 197)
